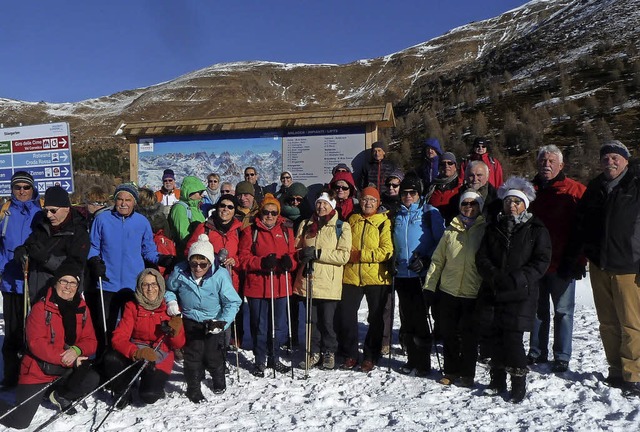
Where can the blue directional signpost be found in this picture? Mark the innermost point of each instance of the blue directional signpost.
(44, 151)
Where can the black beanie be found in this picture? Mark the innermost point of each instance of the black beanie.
(411, 181)
(227, 197)
(69, 267)
(22, 177)
(55, 196)
(381, 145)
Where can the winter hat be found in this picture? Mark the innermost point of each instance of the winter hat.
(141, 298)
(68, 267)
(245, 187)
(270, 199)
(482, 140)
(297, 189)
(380, 145)
(397, 174)
(520, 187)
(325, 197)
(202, 247)
(168, 174)
(434, 144)
(286, 172)
(22, 177)
(471, 194)
(519, 194)
(227, 197)
(411, 182)
(343, 166)
(129, 187)
(449, 156)
(55, 196)
(613, 146)
(371, 191)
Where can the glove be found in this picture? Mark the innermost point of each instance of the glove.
(38, 252)
(166, 260)
(174, 324)
(172, 308)
(20, 255)
(393, 267)
(146, 353)
(307, 254)
(215, 327)
(285, 263)
(355, 256)
(98, 268)
(417, 264)
(269, 262)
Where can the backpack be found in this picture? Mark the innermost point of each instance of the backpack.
(339, 224)
(5, 213)
(254, 235)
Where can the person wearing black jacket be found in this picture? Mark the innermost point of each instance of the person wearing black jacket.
(513, 256)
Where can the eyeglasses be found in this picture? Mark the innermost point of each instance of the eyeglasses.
(195, 264)
(449, 163)
(269, 212)
(285, 177)
(229, 206)
(369, 200)
(70, 284)
(510, 200)
(409, 192)
(18, 187)
(296, 199)
(392, 185)
(468, 203)
(344, 188)
(227, 191)
(212, 181)
(152, 285)
(249, 174)
(50, 210)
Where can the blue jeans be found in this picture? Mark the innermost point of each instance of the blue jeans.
(260, 324)
(563, 294)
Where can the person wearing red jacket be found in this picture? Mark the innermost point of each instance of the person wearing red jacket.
(224, 230)
(267, 253)
(346, 200)
(480, 150)
(556, 205)
(60, 338)
(446, 186)
(144, 325)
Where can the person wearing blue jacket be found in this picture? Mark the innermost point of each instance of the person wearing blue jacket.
(121, 242)
(429, 170)
(417, 230)
(204, 292)
(17, 220)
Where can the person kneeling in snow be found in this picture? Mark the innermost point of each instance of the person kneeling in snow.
(209, 303)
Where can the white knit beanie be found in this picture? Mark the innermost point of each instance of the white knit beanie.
(325, 197)
(202, 247)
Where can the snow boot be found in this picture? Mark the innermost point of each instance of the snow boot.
(314, 360)
(518, 384)
(498, 383)
(328, 361)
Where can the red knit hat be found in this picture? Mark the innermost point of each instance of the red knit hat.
(371, 191)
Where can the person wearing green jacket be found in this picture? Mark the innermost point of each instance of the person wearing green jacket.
(186, 214)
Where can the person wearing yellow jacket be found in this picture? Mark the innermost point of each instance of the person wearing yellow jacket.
(453, 265)
(367, 274)
(325, 242)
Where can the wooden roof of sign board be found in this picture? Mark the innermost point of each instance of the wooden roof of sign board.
(381, 115)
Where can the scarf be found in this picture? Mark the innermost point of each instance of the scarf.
(148, 304)
(221, 226)
(318, 222)
(68, 310)
(468, 222)
(345, 208)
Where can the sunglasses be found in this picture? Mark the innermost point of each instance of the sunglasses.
(213, 181)
(229, 206)
(285, 177)
(227, 191)
(344, 188)
(250, 174)
(18, 187)
(481, 146)
(392, 185)
(449, 163)
(516, 201)
(50, 210)
(269, 212)
(468, 203)
(409, 192)
(168, 181)
(296, 199)
(341, 170)
(202, 265)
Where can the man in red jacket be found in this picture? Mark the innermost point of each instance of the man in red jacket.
(556, 202)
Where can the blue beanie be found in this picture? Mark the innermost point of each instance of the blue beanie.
(130, 187)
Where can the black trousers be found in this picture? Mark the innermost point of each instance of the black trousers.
(294, 305)
(323, 335)
(507, 348)
(347, 317)
(416, 336)
(13, 344)
(460, 340)
(77, 383)
(152, 380)
(113, 306)
(203, 352)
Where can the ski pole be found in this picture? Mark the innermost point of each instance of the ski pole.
(286, 284)
(26, 299)
(104, 314)
(235, 336)
(393, 305)
(273, 325)
(308, 317)
(35, 394)
(434, 344)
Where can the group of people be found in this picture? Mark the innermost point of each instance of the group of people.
(88, 293)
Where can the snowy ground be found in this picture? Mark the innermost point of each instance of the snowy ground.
(353, 401)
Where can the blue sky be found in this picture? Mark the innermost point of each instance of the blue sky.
(73, 50)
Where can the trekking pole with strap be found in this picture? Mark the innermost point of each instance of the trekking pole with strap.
(104, 314)
(308, 318)
(79, 401)
(273, 325)
(393, 305)
(26, 307)
(434, 344)
(235, 336)
(35, 394)
(133, 380)
(286, 284)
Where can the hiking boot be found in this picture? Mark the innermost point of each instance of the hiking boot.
(385, 350)
(194, 394)
(406, 368)
(498, 383)
(560, 366)
(614, 381)
(219, 391)
(448, 379)
(279, 367)
(314, 360)
(258, 371)
(518, 384)
(537, 360)
(631, 389)
(62, 403)
(367, 366)
(328, 361)
(349, 363)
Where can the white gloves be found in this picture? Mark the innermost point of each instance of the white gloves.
(172, 308)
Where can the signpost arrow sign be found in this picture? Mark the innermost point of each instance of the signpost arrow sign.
(64, 171)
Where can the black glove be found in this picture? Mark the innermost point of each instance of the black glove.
(166, 260)
(98, 268)
(38, 252)
(269, 262)
(214, 327)
(20, 255)
(307, 254)
(417, 264)
(285, 263)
